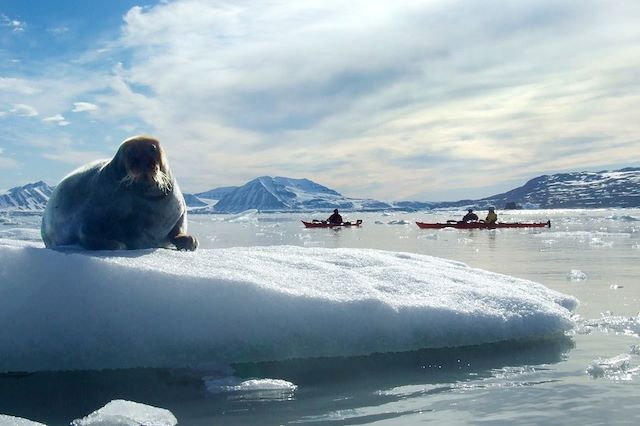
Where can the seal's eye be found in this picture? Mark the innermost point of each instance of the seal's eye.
(154, 148)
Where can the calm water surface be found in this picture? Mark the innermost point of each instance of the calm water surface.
(590, 377)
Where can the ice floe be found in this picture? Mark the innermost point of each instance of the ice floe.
(17, 421)
(127, 413)
(164, 308)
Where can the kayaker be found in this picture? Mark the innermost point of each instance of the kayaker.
(470, 216)
(335, 218)
(492, 217)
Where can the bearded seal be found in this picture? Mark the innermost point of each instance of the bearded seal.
(131, 201)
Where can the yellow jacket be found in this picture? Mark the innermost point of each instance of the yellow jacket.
(492, 217)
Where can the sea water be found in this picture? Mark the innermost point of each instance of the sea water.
(589, 376)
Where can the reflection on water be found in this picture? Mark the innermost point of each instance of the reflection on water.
(343, 390)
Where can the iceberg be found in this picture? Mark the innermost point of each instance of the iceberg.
(74, 310)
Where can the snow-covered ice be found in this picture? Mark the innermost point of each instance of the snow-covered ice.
(164, 308)
(127, 413)
(17, 421)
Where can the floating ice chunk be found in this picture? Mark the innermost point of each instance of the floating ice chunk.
(398, 222)
(379, 222)
(616, 368)
(634, 350)
(127, 413)
(599, 242)
(623, 218)
(635, 246)
(576, 275)
(629, 326)
(164, 308)
(429, 237)
(233, 384)
(17, 421)
(615, 286)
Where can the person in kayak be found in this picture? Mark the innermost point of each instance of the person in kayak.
(492, 217)
(335, 218)
(470, 216)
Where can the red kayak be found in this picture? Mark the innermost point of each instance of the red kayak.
(325, 224)
(483, 225)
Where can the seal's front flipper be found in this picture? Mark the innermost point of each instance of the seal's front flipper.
(185, 242)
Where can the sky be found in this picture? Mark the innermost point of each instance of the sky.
(410, 100)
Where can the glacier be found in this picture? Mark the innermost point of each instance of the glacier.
(74, 310)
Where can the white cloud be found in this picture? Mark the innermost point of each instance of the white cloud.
(58, 118)
(14, 24)
(84, 106)
(397, 98)
(59, 30)
(17, 85)
(24, 110)
(7, 163)
(486, 90)
(73, 157)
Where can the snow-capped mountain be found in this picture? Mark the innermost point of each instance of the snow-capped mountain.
(30, 197)
(287, 194)
(618, 188)
(216, 194)
(281, 194)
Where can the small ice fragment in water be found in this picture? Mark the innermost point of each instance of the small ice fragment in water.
(429, 237)
(252, 389)
(599, 242)
(576, 275)
(615, 286)
(233, 384)
(635, 350)
(128, 413)
(609, 367)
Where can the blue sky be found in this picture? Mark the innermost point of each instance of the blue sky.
(423, 100)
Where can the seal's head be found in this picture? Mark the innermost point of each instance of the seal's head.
(143, 164)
